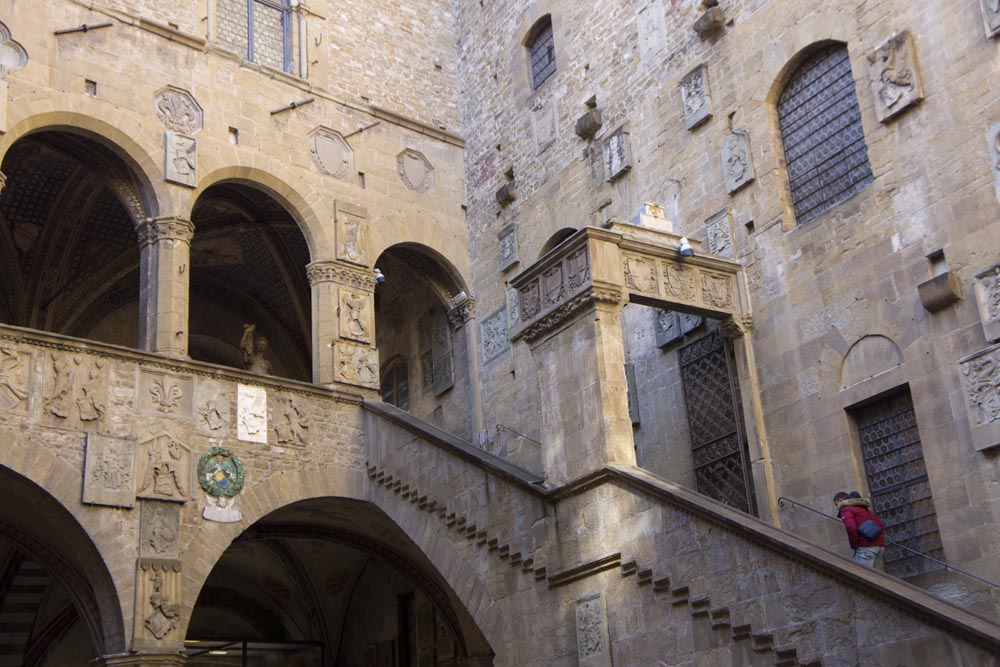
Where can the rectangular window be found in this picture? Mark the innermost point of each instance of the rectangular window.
(542, 50)
(258, 30)
(897, 480)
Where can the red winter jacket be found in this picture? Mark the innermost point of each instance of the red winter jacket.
(854, 512)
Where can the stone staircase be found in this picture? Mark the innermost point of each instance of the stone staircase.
(25, 592)
(759, 645)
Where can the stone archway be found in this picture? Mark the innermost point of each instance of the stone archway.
(57, 599)
(331, 580)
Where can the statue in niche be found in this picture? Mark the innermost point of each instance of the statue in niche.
(254, 350)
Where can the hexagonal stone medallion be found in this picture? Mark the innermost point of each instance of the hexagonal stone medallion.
(414, 170)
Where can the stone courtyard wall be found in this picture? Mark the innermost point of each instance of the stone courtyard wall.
(817, 289)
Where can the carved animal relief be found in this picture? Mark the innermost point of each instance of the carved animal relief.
(695, 97)
(164, 469)
(894, 76)
(109, 472)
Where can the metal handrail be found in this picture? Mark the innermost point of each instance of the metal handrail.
(783, 499)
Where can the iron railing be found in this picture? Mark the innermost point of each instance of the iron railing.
(781, 503)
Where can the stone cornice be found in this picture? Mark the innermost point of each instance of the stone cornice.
(554, 320)
(330, 271)
(462, 313)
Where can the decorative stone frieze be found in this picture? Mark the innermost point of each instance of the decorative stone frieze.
(357, 319)
(291, 423)
(508, 247)
(895, 79)
(355, 364)
(495, 337)
(164, 394)
(15, 375)
(991, 16)
(178, 111)
(352, 232)
(158, 589)
(331, 153)
(164, 469)
(159, 529)
(980, 375)
(109, 472)
(414, 170)
(617, 155)
(180, 156)
(988, 298)
(696, 98)
(737, 162)
(593, 644)
(251, 413)
(719, 233)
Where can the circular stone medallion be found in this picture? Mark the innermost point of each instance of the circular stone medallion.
(220, 472)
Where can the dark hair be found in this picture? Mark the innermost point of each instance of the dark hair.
(840, 495)
(853, 494)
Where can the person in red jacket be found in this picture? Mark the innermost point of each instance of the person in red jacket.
(854, 510)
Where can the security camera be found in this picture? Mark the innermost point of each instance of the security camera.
(684, 247)
(379, 276)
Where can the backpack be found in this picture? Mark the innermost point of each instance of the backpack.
(869, 528)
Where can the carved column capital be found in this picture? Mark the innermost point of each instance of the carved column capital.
(330, 271)
(169, 228)
(737, 326)
(463, 309)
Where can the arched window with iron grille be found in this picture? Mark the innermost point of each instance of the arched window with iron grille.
(541, 51)
(825, 151)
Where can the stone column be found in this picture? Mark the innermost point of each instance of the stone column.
(165, 250)
(462, 317)
(343, 315)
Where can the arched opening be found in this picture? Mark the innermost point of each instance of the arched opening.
(417, 319)
(69, 253)
(57, 601)
(248, 269)
(556, 239)
(324, 582)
